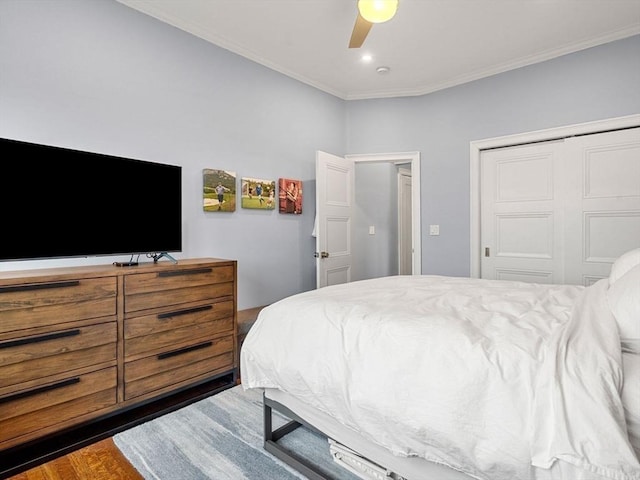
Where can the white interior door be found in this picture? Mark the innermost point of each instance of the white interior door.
(405, 248)
(560, 211)
(521, 217)
(335, 199)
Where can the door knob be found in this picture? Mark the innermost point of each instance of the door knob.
(321, 254)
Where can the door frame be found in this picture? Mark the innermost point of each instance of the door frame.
(414, 159)
(476, 147)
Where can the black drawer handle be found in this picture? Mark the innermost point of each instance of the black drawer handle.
(176, 273)
(180, 351)
(187, 311)
(36, 391)
(39, 286)
(39, 338)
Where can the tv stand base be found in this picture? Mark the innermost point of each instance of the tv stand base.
(158, 256)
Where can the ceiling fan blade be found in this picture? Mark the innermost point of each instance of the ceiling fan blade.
(360, 31)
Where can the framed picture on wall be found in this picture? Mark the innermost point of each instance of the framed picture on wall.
(290, 195)
(219, 190)
(258, 193)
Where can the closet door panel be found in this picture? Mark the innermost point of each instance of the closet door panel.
(603, 212)
(521, 221)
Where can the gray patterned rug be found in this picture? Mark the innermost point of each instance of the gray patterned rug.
(220, 438)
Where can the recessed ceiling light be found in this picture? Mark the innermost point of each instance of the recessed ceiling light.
(367, 58)
(383, 70)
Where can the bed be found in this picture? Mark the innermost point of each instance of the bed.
(434, 377)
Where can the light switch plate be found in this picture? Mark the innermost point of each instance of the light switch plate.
(434, 229)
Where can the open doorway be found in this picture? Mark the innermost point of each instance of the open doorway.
(336, 235)
(386, 227)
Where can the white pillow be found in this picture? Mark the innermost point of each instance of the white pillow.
(624, 302)
(623, 264)
(630, 395)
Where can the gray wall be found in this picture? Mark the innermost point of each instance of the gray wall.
(99, 76)
(593, 84)
(96, 75)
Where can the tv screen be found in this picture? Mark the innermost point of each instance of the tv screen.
(58, 202)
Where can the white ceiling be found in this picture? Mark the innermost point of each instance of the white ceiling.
(428, 45)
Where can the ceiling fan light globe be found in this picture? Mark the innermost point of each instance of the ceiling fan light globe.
(377, 11)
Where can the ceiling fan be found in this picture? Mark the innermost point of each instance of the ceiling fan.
(370, 12)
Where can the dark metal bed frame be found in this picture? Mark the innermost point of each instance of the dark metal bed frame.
(271, 438)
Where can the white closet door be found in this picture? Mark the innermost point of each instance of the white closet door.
(521, 217)
(603, 210)
(560, 212)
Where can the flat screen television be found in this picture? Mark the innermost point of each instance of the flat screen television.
(58, 202)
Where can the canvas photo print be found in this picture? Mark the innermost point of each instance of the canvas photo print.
(258, 193)
(219, 190)
(290, 195)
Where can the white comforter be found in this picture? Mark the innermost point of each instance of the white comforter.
(500, 380)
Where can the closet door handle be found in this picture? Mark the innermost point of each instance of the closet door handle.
(39, 286)
(36, 391)
(176, 273)
(180, 351)
(39, 338)
(162, 316)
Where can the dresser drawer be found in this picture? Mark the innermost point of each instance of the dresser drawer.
(177, 365)
(23, 359)
(40, 304)
(172, 287)
(30, 410)
(220, 314)
(170, 279)
(158, 342)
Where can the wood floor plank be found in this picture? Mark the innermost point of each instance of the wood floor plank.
(100, 461)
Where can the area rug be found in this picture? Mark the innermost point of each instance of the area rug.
(220, 438)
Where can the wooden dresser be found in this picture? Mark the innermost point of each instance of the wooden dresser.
(81, 343)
